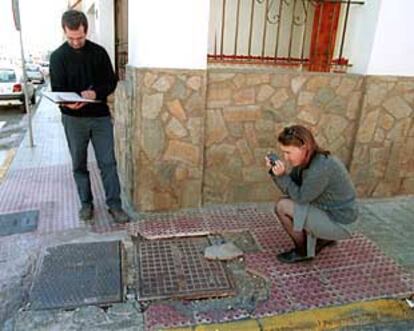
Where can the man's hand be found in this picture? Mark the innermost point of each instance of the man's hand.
(74, 105)
(89, 94)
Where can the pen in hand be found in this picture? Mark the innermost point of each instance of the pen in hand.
(89, 93)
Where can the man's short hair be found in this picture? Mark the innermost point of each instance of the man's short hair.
(73, 19)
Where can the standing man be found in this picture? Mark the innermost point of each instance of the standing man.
(81, 66)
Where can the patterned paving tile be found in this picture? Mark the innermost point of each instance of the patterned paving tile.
(308, 290)
(352, 252)
(260, 263)
(220, 223)
(281, 270)
(190, 225)
(217, 316)
(52, 191)
(165, 316)
(272, 238)
(277, 303)
(153, 229)
(379, 279)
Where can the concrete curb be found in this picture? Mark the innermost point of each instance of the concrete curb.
(10, 154)
(332, 318)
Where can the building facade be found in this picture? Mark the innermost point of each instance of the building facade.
(192, 132)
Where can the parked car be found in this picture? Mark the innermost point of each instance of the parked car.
(44, 68)
(11, 88)
(34, 74)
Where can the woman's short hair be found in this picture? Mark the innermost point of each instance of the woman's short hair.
(73, 19)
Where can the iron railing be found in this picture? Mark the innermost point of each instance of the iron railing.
(306, 33)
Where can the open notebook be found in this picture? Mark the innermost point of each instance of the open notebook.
(66, 97)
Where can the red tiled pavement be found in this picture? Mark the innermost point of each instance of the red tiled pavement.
(352, 270)
(52, 191)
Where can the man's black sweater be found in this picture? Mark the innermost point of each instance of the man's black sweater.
(87, 68)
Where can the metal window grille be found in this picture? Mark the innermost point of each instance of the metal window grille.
(306, 33)
(121, 50)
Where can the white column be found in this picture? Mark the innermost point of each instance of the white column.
(379, 40)
(101, 24)
(168, 33)
(361, 29)
(393, 47)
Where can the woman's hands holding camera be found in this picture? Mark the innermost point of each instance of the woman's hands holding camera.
(278, 167)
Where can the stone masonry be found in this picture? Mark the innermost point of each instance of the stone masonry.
(161, 146)
(383, 159)
(188, 138)
(247, 109)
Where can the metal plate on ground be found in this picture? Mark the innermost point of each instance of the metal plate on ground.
(176, 268)
(78, 274)
(19, 222)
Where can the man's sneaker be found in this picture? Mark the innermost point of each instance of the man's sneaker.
(119, 215)
(86, 213)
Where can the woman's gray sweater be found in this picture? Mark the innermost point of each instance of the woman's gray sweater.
(324, 184)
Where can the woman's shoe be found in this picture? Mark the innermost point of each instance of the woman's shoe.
(292, 256)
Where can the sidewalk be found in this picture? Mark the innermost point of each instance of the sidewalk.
(378, 262)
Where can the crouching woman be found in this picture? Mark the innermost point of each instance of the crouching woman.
(319, 197)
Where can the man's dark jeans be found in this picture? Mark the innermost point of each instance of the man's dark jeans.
(99, 130)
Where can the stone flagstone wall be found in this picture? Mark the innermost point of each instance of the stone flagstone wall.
(383, 160)
(166, 135)
(190, 138)
(246, 109)
(124, 128)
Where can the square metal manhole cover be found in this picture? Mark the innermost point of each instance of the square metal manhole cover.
(78, 274)
(176, 268)
(19, 222)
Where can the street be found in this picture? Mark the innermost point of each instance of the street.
(376, 263)
(13, 123)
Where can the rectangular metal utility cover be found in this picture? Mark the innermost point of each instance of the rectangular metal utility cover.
(176, 268)
(19, 222)
(78, 274)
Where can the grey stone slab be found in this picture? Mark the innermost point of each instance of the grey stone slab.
(123, 317)
(226, 251)
(19, 222)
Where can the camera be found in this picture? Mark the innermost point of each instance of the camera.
(272, 158)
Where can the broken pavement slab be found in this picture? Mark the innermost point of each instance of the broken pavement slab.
(223, 252)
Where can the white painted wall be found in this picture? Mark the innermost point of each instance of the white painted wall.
(378, 40)
(168, 34)
(359, 39)
(102, 29)
(393, 46)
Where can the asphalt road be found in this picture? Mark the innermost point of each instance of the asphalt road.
(14, 123)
